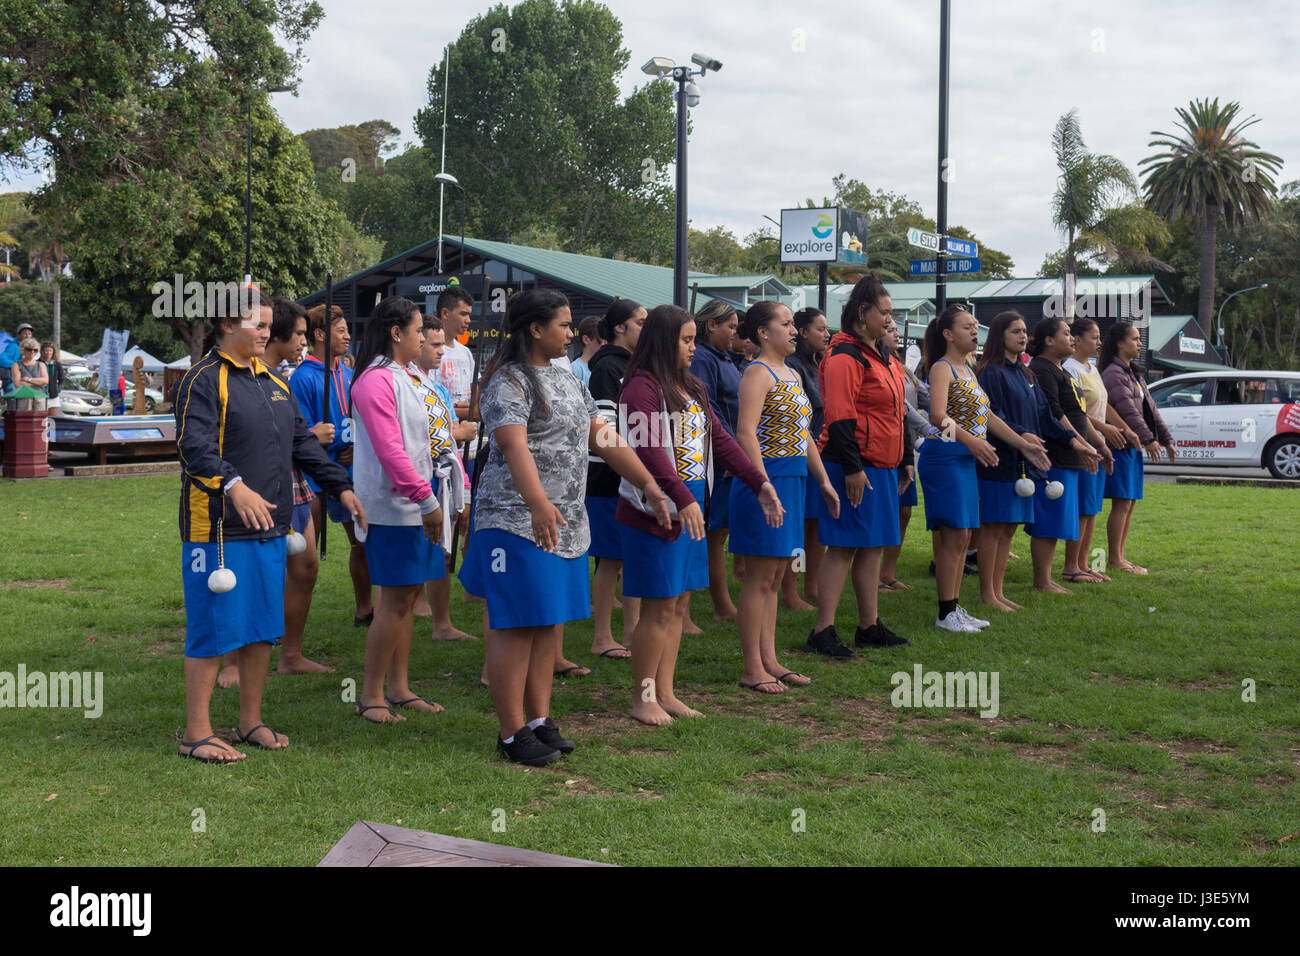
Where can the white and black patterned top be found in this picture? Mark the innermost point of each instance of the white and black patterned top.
(558, 444)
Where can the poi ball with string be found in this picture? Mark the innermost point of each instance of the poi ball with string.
(221, 580)
(1055, 489)
(295, 543)
(1024, 487)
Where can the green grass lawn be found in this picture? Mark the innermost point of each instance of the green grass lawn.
(1124, 698)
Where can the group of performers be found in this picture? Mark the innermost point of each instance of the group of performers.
(676, 439)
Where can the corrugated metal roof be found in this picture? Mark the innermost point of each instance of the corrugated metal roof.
(1186, 365)
(1163, 328)
(738, 282)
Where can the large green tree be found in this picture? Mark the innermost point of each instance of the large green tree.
(538, 134)
(1095, 206)
(1209, 172)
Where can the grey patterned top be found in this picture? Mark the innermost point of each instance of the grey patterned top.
(558, 445)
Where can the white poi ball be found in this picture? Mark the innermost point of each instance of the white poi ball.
(1024, 487)
(1055, 489)
(221, 580)
(295, 543)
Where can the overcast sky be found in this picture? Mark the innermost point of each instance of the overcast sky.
(861, 96)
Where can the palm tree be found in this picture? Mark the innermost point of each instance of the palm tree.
(1093, 206)
(1209, 172)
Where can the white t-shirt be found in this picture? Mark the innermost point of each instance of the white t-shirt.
(457, 370)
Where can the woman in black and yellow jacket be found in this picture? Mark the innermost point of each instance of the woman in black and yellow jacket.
(239, 432)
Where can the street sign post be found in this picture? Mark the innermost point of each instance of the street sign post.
(928, 267)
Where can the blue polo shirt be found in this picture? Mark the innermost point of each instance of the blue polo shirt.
(1020, 402)
(308, 386)
(721, 380)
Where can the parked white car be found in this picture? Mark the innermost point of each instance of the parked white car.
(1234, 417)
(76, 402)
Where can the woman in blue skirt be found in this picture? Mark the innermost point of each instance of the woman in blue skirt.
(1015, 397)
(814, 335)
(960, 420)
(1092, 488)
(675, 433)
(863, 449)
(1058, 518)
(527, 555)
(773, 431)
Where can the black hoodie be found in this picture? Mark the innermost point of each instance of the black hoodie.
(607, 367)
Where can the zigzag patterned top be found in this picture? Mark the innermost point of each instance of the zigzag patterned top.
(968, 406)
(690, 427)
(783, 423)
(440, 440)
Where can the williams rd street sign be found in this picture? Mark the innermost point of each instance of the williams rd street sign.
(926, 267)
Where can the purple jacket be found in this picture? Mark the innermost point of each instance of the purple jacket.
(642, 395)
(1126, 392)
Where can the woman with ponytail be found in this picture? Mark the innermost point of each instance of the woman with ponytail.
(960, 420)
(394, 480)
(1128, 395)
(1092, 488)
(773, 431)
(868, 461)
(814, 335)
(527, 553)
(1058, 517)
(671, 425)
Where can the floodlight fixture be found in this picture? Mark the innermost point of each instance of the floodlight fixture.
(658, 66)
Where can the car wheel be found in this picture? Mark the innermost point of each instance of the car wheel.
(1283, 458)
(148, 405)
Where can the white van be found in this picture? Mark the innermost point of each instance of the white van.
(1234, 417)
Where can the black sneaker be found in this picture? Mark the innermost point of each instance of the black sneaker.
(527, 749)
(877, 635)
(549, 735)
(827, 642)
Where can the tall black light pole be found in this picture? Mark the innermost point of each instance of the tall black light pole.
(941, 221)
(688, 95)
(248, 187)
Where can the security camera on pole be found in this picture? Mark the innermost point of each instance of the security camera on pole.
(688, 94)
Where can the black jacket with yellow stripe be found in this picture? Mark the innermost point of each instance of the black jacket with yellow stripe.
(235, 420)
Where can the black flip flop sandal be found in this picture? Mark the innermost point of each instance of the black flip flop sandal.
(763, 683)
(248, 738)
(199, 743)
(410, 700)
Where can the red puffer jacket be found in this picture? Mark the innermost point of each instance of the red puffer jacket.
(862, 396)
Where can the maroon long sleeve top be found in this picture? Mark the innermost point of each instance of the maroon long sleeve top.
(642, 397)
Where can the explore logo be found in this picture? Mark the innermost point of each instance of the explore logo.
(82, 689)
(75, 909)
(823, 227)
(952, 689)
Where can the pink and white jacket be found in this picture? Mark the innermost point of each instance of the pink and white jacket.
(391, 468)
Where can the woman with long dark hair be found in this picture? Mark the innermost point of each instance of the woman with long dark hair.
(1092, 488)
(527, 553)
(1056, 516)
(715, 367)
(773, 431)
(394, 480)
(620, 327)
(814, 335)
(676, 434)
(1015, 397)
(960, 420)
(1128, 395)
(868, 462)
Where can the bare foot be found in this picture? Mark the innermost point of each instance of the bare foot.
(896, 585)
(618, 605)
(798, 604)
(566, 668)
(301, 665)
(229, 677)
(1009, 604)
(1051, 587)
(787, 676)
(690, 627)
(676, 708)
(613, 649)
(451, 634)
(422, 609)
(266, 738)
(649, 712)
(726, 614)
